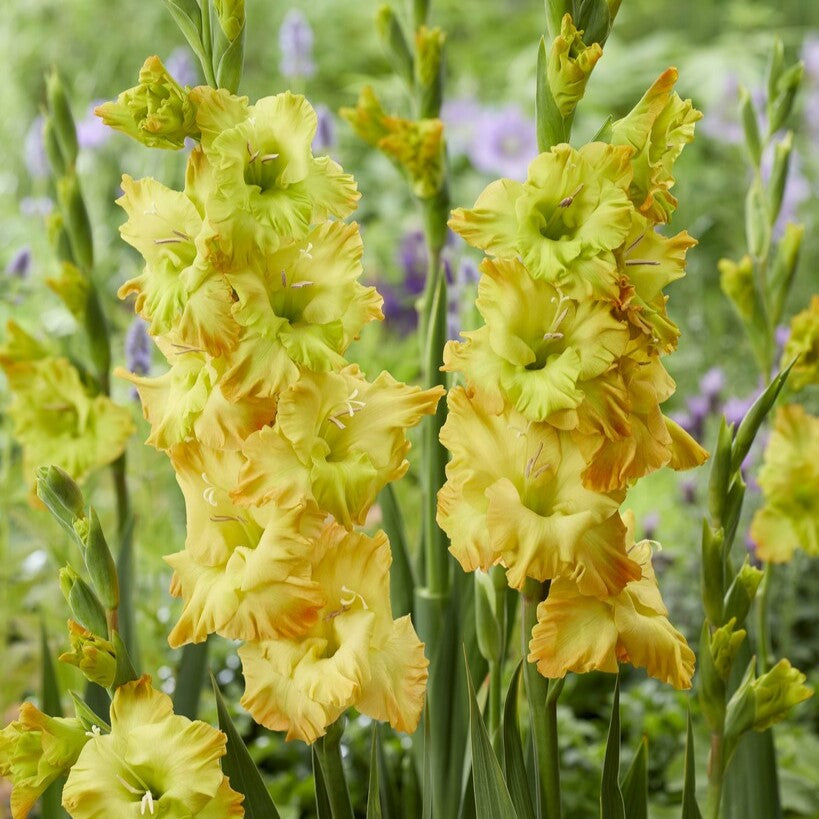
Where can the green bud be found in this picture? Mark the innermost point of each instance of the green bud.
(61, 495)
(84, 604)
(429, 47)
(784, 268)
(568, 67)
(711, 686)
(94, 656)
(98, 560)
(750, 424)
(750, 125)
(725, 643)
(96, 329)
(157, 112)
(779, 174)
(52, 148)
(757, 221)
(487, 626)
(733, 508)
(64, 128)
(594, 18)
(125, 669)
(395, 44)
(77, 223)
(72, 288)
(713, 570)
(776, 66)
(760, 703)
(231, 16)
(741, 593)
(720, 473)
(780, 104)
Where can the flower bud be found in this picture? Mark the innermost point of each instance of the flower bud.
(429, 47)
(98, 559)
(487, 627)
(395, 44)
(569, 66)
(61, 495)
(779, 174)
(231, 16)
(720, 474)
(750, 125)
(725, 643)
(784, 267)
(157, 112)
(72, 287)
(741, 592)
(780, 104)
(757, 221)
(711, 687)
(82, 601)
(63, 122)
(77, 223)
(93, 655)
(762, 702)
(712, 572)
(52, 148)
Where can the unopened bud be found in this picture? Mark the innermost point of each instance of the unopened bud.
(93, 655)
(64, 128)
(84, 604)
(98, 559)
(61, 495)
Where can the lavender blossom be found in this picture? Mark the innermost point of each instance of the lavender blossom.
(325, 137)
(19, 266)
(296, 46)
(688, 489)
(698, 410)
(504, 143)
(138, 348)
(782, 334)
(92, 132)
(413, 260)
(711, 387)
(460, 115)
(36, 206)
(181, 67)
(650, 524)
(735, 409)
(34, 152)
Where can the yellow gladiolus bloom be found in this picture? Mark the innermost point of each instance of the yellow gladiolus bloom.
(579, 633)
(514, 496)
(337, 441)
(34, 751)
(153, 763)
(355, 654)
(789, 479)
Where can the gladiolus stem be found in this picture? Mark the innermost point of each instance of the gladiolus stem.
(329, 753)
(713, 800)
(207, 44)
(542, 710)
(763, 637)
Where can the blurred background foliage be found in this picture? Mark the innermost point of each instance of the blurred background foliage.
(717, 45)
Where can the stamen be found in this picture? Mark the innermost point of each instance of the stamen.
(352, 596)
(128, 787)
(634, 262)
(95, 731)
(147, 801)
(253, 156)
(225, 519)
(269, 157)
(284, 278)
(533, 460)
(182, 235)
(183, 348)
(298, 285)
(550, 336)
(635, 242)
(305, 252)
(209, 494)
(564, 203)
(333, 420)
(171, 240)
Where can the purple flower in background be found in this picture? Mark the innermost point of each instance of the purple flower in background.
(34, 152)
(782, 334)
(138, 348)
(399, 311)
(468, 271)
(688, 489)
(92, 132)
(460, 116)
(735, 409)
(296, 46)
(19, 265)
(504, 143)
(711, 387)
(413, 260)
(325, 137)
(36, 206)
(810, 56)
(650, 524)
(181, 67)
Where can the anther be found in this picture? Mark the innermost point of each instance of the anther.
(171, 240)
(635, 262)
(305, 251)
(333, 420)
(564, 203)
(635, 242)
(284, 278)
(533, 460)
(269, 157)
(298, 285)
(147, 801)
(550, 336)
(253, 155)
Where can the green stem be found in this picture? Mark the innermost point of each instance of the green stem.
(716, 774)
(329, 753)
(207, 44)
(495, 695)
(763, 637)
(542, 710)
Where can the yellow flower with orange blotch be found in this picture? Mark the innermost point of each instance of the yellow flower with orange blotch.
(152, 763)
(337, 441)
(355, 654)
(538, 347)
(514, 497)
(565, 221)
(578, 633)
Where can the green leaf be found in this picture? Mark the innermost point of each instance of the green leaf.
(373, 792)
(611, 797)
(690, 808)
(240, 769)
(189, 679)
(323, 809)
(188, 19)
(604, 132)
(635, 784)
(514, 766)
(51, 690)
(127, 587)
(492, 799)
(402, 582)
(229, 71)
(125, 669)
